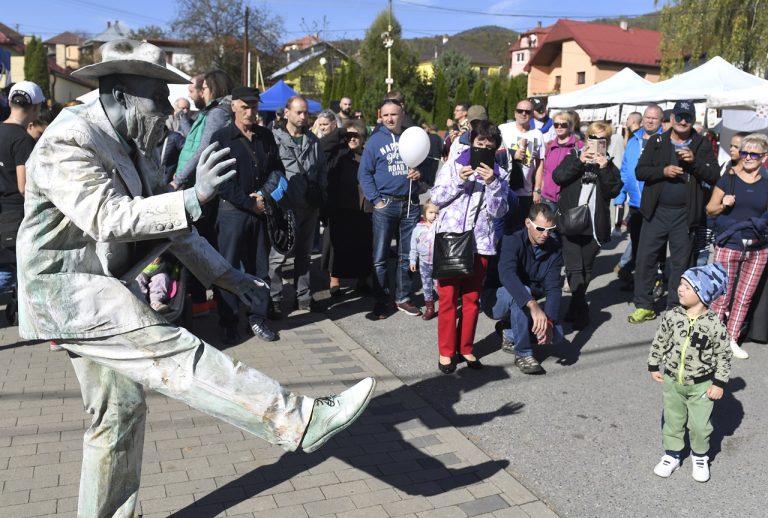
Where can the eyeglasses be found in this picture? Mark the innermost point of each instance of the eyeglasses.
(560, 124)
(595, 137)
(684, 117)
(544, 229)
(352, 134)
(524, 112)
(751, 156)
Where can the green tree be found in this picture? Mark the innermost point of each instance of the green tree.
(215, 30)
(441, 108)
(148, 32)
(517, 90)
(327, 91)
(462, 91)
(478, 94)
(338, 84)
(374, 65)
(36, 64)
(697, 29)
(455, 67)
(496, 104)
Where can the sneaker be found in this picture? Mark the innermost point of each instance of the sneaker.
(334, 413)
(160, 307)
(507, 345)
(566, 286)
(381, 310)
(274, 312)
(528, 365)
(641, 315)
(700, 469)
(409, 309)
(263, 332)
(666, 466)
(738, 352)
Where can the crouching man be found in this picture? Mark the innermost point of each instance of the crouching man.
(95, 214)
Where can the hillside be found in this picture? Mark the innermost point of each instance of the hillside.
(645, 21)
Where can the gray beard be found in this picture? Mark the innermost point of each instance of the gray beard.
(146, 130)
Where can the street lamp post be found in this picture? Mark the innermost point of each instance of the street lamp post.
(388, 41)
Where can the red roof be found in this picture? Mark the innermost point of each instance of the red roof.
(603, 43)
(540, 32)
(66, 38)
(302, 43)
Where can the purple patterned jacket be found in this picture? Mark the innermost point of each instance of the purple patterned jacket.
(458, 201)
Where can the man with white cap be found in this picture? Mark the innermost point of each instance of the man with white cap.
(25, 100)
(95, 214)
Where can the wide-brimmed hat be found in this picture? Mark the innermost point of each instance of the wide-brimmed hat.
(132, 57)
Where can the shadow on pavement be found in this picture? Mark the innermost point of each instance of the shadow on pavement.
(375, 444)
(727, 416)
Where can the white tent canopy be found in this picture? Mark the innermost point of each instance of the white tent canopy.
(744, 98)
(610, 91)
(176, 91)
(714, 76)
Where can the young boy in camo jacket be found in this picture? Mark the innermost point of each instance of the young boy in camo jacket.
(693, 345)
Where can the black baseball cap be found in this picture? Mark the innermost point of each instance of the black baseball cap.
(245, 93)
(684, 107)
(539, 103)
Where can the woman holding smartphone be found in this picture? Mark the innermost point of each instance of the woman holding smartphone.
(565, 142)
(461, 192)
(590, 178)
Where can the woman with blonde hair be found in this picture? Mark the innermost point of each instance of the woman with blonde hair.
(565, 142)
(586, 179)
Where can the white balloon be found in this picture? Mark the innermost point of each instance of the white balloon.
(414, 146)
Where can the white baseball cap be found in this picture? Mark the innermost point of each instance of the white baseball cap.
(26, 93)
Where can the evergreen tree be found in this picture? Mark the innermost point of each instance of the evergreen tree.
(455, 67)
(338, 83)
(441, 109)
(327, 90)
(517, 90)
(424, 98)
(36, 65)
(478, 93)
(496, 104)
(462, 91)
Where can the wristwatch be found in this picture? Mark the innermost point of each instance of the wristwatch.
(538, 191)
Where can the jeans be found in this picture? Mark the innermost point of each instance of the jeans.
(113, 372)
(244, 243)
(7, 277)
(500, 305)
(395, 219)
(306, 222)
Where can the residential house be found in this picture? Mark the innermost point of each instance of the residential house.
(293, 50)
(311, 68)
(114, 31)
(65, 49)
(575, 55)
(11, 55)
(526, 46)
(482, 63)
(177, 52)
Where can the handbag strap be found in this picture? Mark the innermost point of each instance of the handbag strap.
(590, 193)
(479, 206)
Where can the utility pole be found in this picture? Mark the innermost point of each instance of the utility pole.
(388, 42)
(246, 79)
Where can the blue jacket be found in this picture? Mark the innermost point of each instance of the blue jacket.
(519, 268)
(382, 172)
(632, 186)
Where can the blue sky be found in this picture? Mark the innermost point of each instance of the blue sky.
(340, 19)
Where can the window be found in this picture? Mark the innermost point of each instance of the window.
(581, 78)
(520, 57)
(484, 71)
(557, 83)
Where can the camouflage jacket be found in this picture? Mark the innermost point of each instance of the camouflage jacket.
(692, 349)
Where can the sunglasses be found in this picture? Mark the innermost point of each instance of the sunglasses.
(684, 117)
(751, 156)
(560, 124)
(595, 137)
(524, 112)
(544, 229)
(352, 134)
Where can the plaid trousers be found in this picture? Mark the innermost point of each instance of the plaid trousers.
(751, 270)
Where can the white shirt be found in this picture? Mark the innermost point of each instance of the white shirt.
(534, 153)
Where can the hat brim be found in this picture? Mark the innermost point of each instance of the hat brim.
(248, 99)
(130, 67)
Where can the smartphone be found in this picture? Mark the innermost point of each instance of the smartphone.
(597, 147)
(480, 155)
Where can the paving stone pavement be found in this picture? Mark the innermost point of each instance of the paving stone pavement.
(400, 459)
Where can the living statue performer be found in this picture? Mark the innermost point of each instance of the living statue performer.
(96, 213)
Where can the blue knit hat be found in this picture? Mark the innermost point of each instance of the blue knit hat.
(709, 282)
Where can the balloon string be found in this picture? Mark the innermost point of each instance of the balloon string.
(408, 201)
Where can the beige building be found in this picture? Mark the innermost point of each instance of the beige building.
(575, 55)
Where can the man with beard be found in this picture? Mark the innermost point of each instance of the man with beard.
(345, 109)
(96, 215)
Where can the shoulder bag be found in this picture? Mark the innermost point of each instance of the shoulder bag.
(453, 254)
(576, 221)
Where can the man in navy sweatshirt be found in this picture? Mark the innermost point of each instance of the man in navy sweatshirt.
(391, 186)
(529, 268)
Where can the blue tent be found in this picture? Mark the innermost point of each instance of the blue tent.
(278, 94)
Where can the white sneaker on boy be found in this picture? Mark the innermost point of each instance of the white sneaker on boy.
(700, 468)
(738, 352)
(666, 466)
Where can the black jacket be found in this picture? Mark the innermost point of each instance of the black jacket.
(659, 153)
(568, 176)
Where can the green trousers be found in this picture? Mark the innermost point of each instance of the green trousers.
(686, 404)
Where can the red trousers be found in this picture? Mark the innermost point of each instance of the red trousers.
(454, 332)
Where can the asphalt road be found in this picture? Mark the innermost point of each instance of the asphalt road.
(585, 436)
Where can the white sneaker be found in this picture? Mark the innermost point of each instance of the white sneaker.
(700, 468)
(738, 352)
(666, 466)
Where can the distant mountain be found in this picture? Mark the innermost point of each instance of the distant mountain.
(483, 44)
(649, 21)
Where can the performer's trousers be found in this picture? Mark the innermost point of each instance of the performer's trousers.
(113, 372)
